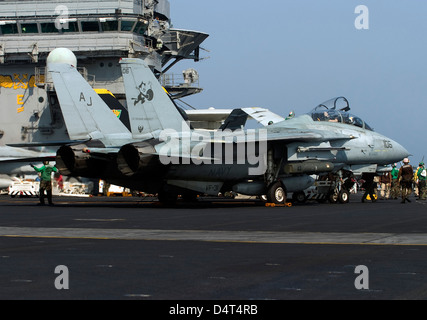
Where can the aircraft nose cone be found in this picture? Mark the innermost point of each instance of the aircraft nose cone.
(400, 152)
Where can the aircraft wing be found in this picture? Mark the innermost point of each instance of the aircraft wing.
(236, 120)
(263, 116)
(217, 116)
(209, 115)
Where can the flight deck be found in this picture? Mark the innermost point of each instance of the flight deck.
(215, 249)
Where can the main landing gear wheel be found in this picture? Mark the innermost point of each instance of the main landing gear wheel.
(333, 197)
(344, 196)
(276, 193)
(299, 197)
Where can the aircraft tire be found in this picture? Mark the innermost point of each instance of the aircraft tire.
(333, 197)
(344, 196)
(299, 197)
(276, 193)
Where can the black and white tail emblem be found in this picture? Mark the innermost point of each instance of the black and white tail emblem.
(145, 93)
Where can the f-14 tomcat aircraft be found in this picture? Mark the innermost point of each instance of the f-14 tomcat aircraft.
(163, 154)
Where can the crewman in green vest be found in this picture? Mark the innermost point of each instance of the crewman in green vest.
(395, 188)
(45, 181)
(422, 189)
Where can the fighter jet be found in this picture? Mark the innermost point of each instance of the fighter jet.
(163, 154)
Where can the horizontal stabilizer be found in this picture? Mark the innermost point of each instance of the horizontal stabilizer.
(29, 159)
(47, 144)
(11, 154)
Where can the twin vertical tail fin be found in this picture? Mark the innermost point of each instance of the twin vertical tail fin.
(85, 114)
(151, 110)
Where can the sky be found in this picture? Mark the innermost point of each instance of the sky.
(288, 55)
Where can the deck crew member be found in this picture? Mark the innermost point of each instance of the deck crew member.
(406, 176)
(45, 181)
(422, 188)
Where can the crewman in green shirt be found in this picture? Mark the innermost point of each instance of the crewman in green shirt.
(45, 181)
(395, 188)
(422, 189)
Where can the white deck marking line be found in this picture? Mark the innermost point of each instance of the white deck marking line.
(220, 236)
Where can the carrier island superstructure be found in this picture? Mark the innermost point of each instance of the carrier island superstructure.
(99, 32)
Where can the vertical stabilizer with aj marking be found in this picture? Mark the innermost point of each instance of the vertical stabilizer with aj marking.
(86, 115)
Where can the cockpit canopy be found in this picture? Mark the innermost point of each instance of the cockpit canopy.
(336, 110)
